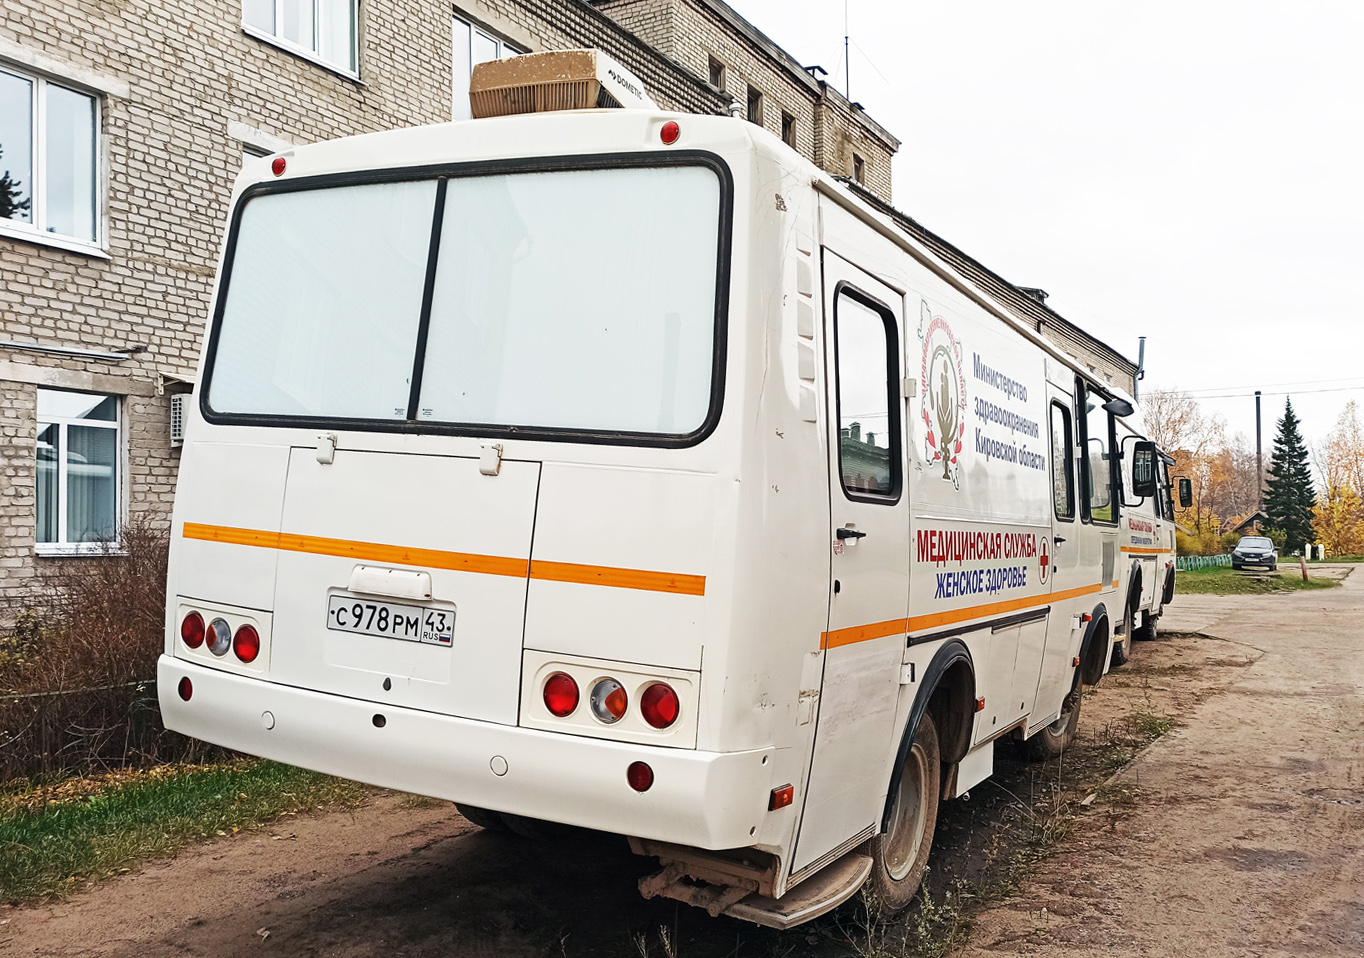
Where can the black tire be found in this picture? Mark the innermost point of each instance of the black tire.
(1274, 567)
(482, 817)
(1149, 630)
(1122, 650)
(1058, 736)
(900, 855)
(1236, 568)
(1169, 595)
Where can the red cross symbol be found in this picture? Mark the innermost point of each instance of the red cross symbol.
(1045, 559)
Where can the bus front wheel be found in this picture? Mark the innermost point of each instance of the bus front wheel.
(900, 855)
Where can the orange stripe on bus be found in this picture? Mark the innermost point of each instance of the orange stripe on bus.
(861, 633)
(456, 561)
(618, 578)
(1144, 551)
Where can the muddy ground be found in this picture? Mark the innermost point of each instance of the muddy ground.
(408, 877)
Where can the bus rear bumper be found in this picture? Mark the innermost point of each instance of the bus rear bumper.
(705, 799)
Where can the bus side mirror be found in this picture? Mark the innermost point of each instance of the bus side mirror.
(1185, 493)
(1144, 469)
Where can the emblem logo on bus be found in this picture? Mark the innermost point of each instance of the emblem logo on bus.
(1044, 557)
(944, 392)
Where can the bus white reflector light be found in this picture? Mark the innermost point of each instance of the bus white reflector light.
(640, 776)
(659, 705)
(185, 688)
(669, 133)
(608, 701)
(192, 630)
(561, 694)
(277, 167)
(781, 797)
(246, 643)
(219, 637)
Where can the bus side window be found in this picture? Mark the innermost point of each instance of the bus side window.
(868, 424)
(1097, 463)
(1062, 475)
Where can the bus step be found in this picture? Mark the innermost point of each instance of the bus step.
(823, 891)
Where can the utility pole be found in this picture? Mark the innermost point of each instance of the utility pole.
(1259, 459)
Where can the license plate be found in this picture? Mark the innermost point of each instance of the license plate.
(391, 620)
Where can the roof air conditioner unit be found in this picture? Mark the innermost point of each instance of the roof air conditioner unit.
(557, 80)
(177, 418)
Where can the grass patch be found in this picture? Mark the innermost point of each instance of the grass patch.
(55, 838)
(1328, 561)
(1223, 581)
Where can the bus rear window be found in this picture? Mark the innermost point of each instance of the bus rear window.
(573, 300)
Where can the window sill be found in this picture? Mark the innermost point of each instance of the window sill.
(302, 54)
(50, 551)
(53, 240)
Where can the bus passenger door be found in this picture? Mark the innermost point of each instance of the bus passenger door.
(869, 562)
(1062, 558)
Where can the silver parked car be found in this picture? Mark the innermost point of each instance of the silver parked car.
(1254, 550)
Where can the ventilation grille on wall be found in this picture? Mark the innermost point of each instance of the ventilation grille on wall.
(177, 418)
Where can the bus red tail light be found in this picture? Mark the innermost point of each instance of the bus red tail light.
(192, 630)
(561, 694)
(185, 688)
(640, 776)
(659, 705)
(246, 643)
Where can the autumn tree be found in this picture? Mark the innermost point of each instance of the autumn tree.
(1338, 517)
(1175, 422)
(1289, 496)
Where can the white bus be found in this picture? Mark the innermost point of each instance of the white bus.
(1148, 547)
(622, 469)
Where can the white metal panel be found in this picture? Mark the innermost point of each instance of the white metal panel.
(233, 485)
(403, 504)
(622, 521)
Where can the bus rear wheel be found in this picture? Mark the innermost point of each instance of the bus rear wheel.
(900, 855)
(1058, 736)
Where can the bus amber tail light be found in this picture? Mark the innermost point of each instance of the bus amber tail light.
(561, 694)
(659, 705)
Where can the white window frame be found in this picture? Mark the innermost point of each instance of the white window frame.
(36, 231)
(312, 55)
(504, 50)
(62, 547)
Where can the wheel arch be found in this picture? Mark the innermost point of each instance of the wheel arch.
(1094, 650)
(948, 692)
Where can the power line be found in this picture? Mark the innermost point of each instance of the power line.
(1285, 392)
(1359, 381)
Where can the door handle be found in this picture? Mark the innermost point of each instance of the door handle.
(1058, 539)
(849, 534)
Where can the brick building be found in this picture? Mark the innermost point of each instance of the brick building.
(123, 126)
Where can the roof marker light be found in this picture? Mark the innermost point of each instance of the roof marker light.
(670, 133)
(277, 166)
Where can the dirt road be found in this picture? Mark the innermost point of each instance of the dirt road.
(1239, 833)
(1245, 835)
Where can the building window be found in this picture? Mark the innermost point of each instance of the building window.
(250, 153)
(472, 46)
(78, 456)
(49, 150)
(755, 105)
(322, 30)
(717, 74)
(788, 130)
(859, 169)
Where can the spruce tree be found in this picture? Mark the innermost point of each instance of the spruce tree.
(10, 191)
(1288, 492)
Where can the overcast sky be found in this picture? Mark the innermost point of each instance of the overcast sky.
(1189, 171)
